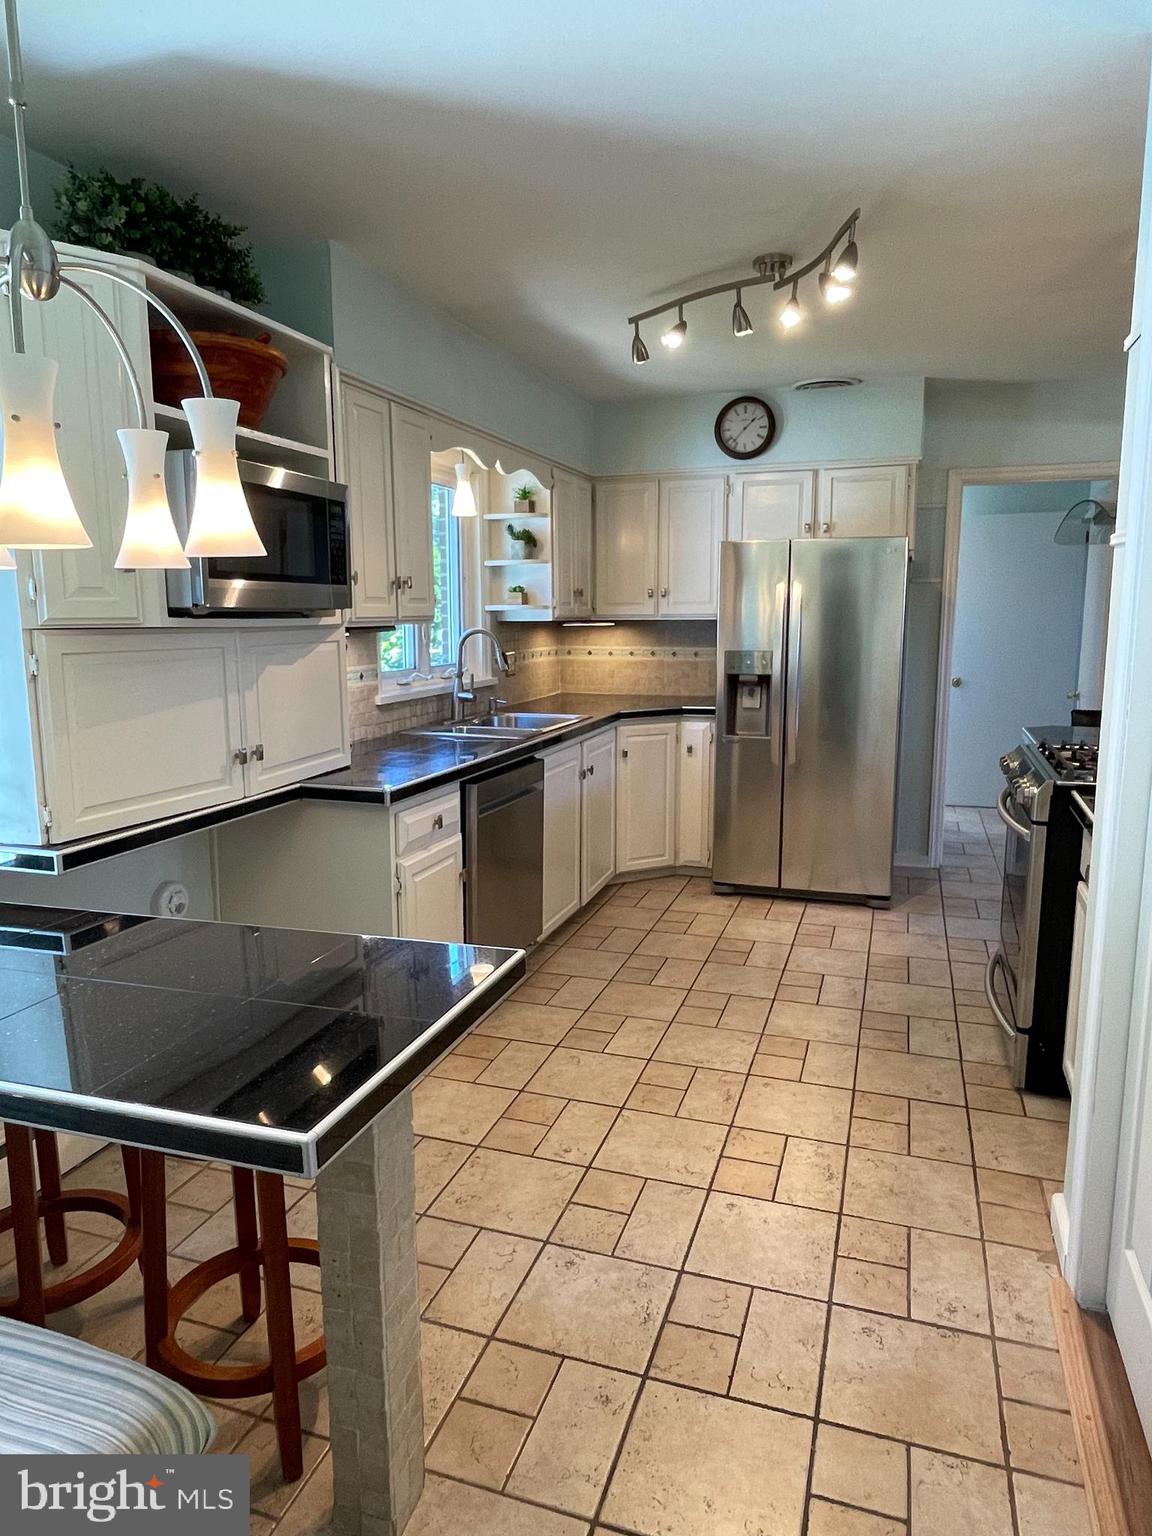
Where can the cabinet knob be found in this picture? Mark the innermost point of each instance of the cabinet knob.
(240, 755)
(807, 527)
(407, 582)
(825, 527)
(651, 592)
(663, 591)
(956, 681)
(624, 753)
(258, 752)
(690, 750)
(438, 823)
(355, 578)
(591, 770)
(583, 774)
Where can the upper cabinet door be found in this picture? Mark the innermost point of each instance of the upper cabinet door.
(295, 706)
(82, 586)
(773, 506)
(627, 532)
(691, 528)
(571, 546)
(863, 503)
(582, 574)
(368, 468)
(412, 508)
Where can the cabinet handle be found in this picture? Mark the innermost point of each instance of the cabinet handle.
(591, 770)
(825, 527)
(690, 749)
(583, 774)
(355, 578)
(258, 752)
(807, 527)
(406, 583)
(663, 591)
(438, 823)
(624, 753)
(651, 592)
(240, 755)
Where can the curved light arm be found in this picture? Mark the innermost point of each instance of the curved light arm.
(157, 304)
(118, 342)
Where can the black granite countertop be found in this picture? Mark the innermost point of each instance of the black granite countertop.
(266, 1047)
(409, 763)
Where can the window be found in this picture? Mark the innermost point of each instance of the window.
(419, 651)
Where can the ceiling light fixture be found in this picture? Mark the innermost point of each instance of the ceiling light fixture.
(463, 498)
(775, 269)
(36, 507)
(741, 325)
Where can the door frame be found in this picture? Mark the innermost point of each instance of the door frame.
(958, 482)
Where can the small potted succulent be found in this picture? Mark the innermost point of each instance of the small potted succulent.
(519, 592)
(524, 542)
(525, 498)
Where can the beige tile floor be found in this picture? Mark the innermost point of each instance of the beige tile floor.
(731, 1222)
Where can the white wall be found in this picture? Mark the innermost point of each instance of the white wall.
(880, 419)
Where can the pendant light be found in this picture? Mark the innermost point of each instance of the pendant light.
(832, 291)
(36, 508)
(221, 523)
(741, 325)
(639, 350)
(844, 268)
(463, 498)
(674, 336)
(791, 315)
(150, 539)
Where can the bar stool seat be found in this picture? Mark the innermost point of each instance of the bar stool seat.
(263, 1253)
(37, 1197)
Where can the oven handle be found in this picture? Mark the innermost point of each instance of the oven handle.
(1005, 1023)
(1010, 821)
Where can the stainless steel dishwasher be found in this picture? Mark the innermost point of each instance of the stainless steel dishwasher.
(504, 856)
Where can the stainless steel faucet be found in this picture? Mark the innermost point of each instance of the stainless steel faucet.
(460, 694)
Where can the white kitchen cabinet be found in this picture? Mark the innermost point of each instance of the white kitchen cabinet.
(368, 468)
(412, 510)
(295, 707)
(775, 505)
(694, 794)
(81, 586)
(646, 814)
(563, 778)
(136, 726)
(571, 546)
(866, 502)
(627, 541)
(691, 527)
(429, 893)
(597, 813)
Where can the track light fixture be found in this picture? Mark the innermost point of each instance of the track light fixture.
(835, 279)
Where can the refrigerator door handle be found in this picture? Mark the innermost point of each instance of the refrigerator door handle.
(776, 682)
(795, 625)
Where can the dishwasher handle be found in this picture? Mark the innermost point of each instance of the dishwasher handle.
(502, 802)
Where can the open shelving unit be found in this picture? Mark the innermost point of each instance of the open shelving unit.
(503, 567)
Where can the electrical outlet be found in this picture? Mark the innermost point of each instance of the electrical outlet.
(367, 674)
(510, 657)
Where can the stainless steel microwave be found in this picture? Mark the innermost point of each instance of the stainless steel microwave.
(303, 525)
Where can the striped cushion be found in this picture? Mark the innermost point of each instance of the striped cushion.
(58, 1395)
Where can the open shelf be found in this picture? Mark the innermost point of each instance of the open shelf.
(522, 560)
(173, 419)
(514, 517)
(522, 610)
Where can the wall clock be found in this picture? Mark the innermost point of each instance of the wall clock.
(745, 427)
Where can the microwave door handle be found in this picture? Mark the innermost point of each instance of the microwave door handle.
(1005, 815)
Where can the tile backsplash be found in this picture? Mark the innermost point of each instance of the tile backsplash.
(671, 659)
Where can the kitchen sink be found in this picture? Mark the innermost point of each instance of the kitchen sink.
(520, 721)
(510, 726)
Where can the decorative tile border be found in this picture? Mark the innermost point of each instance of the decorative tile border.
(621, 652)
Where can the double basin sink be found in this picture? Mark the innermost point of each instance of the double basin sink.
(510, 726)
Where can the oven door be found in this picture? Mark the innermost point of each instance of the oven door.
(1010, 980)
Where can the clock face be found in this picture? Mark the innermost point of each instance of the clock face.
(745, 427)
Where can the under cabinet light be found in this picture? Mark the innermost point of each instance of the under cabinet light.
(150, 539)
(36, 507)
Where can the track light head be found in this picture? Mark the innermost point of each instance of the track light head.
(832, 291)
(674, 336)
(741, 325)
(639, 350)
(791, 315)
(845, 266)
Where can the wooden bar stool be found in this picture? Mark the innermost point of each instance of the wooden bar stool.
(263, 1253)
(38, 1197)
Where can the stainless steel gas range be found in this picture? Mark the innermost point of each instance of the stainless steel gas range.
(1027, 977)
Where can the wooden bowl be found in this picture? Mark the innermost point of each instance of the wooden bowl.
(243, 368)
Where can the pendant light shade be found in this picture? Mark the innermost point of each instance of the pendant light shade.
(741, 325)
(36, 508)
(832, 290)
(845, 266)
(639, 350)
(221, 523)
(791, 315)
(150, 541)
(464, 498)
(674, 336)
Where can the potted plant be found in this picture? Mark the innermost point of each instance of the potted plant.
(524, 542)
(525, 498)
(519, 591)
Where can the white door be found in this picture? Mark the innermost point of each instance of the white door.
(627, 536)
(429, 893)
(691, 528)
(597, 813)
(412, 510)
(82, 586)
(295, 706)
(646, 796)
(773, 506)
(137, 725)
(863, 503)
(563, 776)
(694, 793)
(1016, 634)
(368, 469)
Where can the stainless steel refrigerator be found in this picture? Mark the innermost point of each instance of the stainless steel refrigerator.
(809, 660)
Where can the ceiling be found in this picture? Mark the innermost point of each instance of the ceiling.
(543, 169)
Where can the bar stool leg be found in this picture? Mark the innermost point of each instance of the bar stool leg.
(48, 1162)
(25, 1222)
(154, 1253)
(281, 1328)
(247, 1240)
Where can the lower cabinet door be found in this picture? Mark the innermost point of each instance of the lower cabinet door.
(694, 795)
(646, 795)
(295, 706)
(598, 813)
(563, 777)
(430, 894)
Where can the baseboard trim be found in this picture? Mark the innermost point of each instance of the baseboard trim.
(1114, 1456)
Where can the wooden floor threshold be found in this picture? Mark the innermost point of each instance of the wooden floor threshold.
(1114, 1456)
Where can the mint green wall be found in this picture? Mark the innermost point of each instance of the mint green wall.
(880, 419)
(298, 284)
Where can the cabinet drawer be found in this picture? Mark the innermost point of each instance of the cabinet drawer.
(427, 822)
